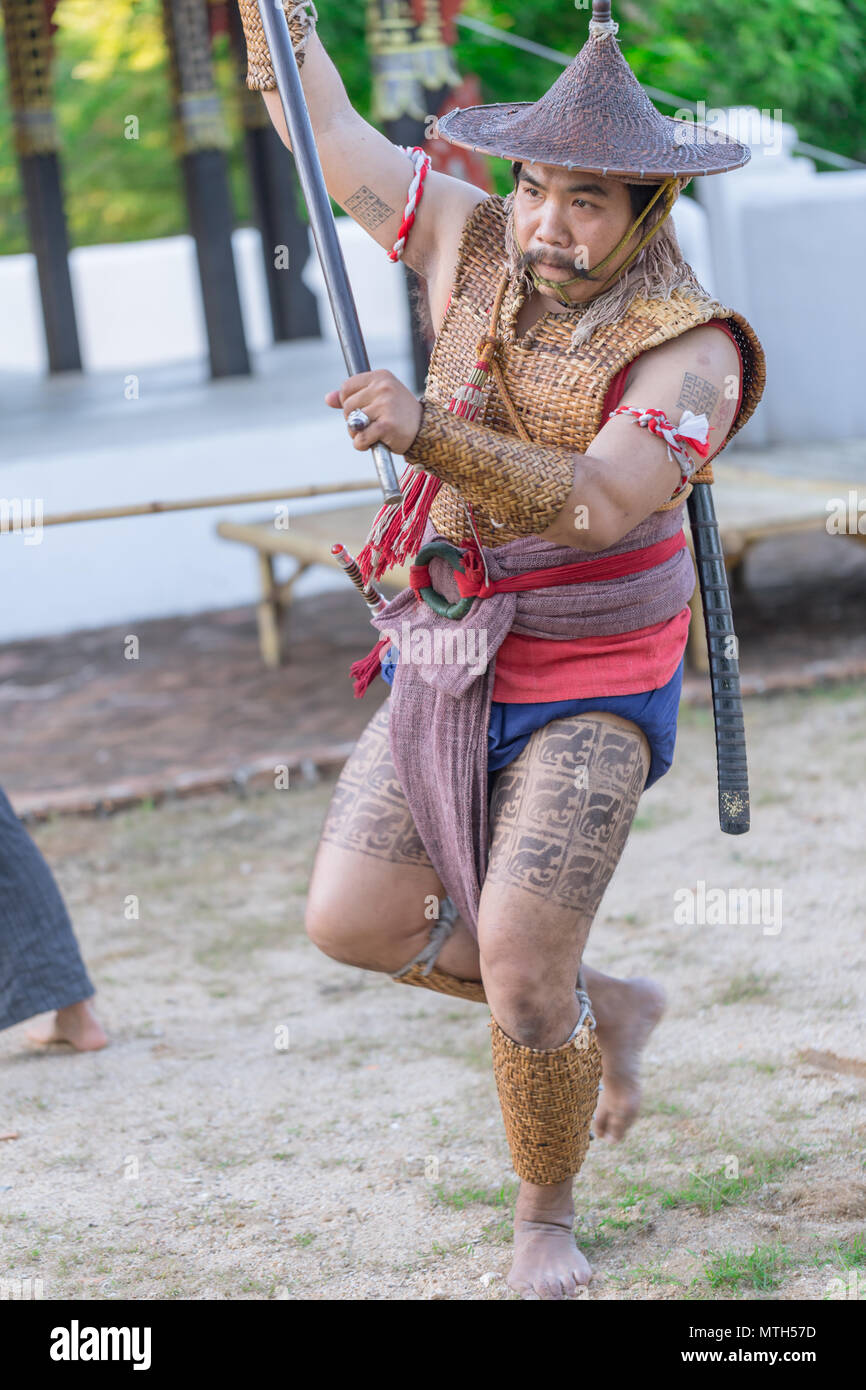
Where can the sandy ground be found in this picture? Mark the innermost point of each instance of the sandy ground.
(269, 1124)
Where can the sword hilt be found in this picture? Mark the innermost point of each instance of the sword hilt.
(733, 775)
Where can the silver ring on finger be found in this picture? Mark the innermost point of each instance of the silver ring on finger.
(357, 420)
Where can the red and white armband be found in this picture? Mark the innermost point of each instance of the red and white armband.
(422, 163)
(692, 429)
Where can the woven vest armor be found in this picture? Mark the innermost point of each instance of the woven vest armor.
(558, 390)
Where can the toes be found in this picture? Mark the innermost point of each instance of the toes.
(550, 1289)
(520, 1286)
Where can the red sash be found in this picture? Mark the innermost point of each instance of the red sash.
(609, 567)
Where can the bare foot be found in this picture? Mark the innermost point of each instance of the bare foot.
(626, 1011)
(547, 1263)
(76, 1025)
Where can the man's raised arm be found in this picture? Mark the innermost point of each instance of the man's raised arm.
(364, 172)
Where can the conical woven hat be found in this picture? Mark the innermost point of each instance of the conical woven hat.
(596, 116)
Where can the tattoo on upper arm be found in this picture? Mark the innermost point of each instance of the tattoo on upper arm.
(697, 394)
(367, 207)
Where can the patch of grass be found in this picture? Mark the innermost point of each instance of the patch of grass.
(440, 1250)
(264, 1288)
(768, 798)
(750, 985)
(651, 1274)
(304, 1240)
(633, 1192)
(762, 1270)
(283, 1157)
(592, 1243)
(74, 1160)
(629, 1211)
(846, 1001)
(665, 1107)
(789, 1114)
(850, 1252)
(844, 690)
(713, 1191)
(472, 1052)
(223, 951)
(696, 716)
(653, 817)
(462, 1197)
(615, 1223)
(497, 1232)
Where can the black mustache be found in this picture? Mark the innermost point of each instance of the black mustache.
(536, 257)
(532, 257)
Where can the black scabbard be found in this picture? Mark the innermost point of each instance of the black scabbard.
(733, 774)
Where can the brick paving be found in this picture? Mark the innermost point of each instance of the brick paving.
(83, 729)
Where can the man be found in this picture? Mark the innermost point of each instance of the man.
(553, 540)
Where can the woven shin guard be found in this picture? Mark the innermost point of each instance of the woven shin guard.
(422, 969)
(260, 72)
(521, 485)
(443, 983)
(548, 1098)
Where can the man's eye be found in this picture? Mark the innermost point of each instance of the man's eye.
(583, 203)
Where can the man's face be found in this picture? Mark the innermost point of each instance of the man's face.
(567, 220)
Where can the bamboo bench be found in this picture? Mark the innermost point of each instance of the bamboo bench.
(308, 540)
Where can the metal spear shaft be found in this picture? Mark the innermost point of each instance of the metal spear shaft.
(327, 242)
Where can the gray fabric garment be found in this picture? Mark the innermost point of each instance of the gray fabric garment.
(40, 964)
(440, 709)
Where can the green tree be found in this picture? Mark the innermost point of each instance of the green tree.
(805, 57)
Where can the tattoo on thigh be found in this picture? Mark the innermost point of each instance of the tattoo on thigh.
(367, 207)
(560, 835)
(368, 811)
(698, 395)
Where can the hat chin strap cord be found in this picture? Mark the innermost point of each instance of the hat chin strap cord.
(668, 187)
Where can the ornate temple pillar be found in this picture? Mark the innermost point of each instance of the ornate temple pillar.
(29, 34)
(413, 73)
(201, 140)
(275, 189)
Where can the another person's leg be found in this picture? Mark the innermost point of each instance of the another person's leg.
(40, 964)
(557, 837)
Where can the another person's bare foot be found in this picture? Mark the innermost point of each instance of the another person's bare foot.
(547, 1263)
(626, 1012)
(76, 1025)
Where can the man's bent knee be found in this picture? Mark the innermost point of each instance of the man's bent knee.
(325, 930)
(530, 1007)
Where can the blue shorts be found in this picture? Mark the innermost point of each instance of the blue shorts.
(512, 726)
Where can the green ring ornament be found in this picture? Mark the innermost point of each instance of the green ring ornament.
(442, 550)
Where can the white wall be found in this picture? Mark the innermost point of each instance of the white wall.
(788, 253)
(78, 441)
(139, 303)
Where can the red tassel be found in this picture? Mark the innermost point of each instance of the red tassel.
(404, 531)
(364, 671)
